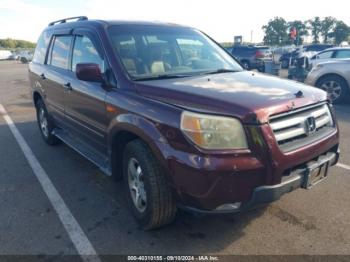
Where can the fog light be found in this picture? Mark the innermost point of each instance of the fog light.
(229, 206)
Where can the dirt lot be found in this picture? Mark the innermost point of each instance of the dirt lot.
(313, 221)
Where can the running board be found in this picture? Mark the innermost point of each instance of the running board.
(86, 151)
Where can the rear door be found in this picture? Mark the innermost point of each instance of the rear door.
(57, 74)
(37, 68)
(85, 107)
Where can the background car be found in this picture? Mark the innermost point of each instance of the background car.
(5, 54)
(25, 56)
(307, 51)
(281, 50)
(333, 77)
(330, 54)
(251, 57)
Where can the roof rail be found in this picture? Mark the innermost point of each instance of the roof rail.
(61, 21)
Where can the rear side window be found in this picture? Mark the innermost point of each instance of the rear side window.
(85, 52)
(60, 51)
(41, 47)
(342, 54)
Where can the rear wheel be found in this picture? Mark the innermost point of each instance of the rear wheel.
(147, 192)
(45, 123)
(335, 86)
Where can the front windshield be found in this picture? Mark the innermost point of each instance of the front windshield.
(151, 51)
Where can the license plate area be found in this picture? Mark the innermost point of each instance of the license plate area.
(315, 174)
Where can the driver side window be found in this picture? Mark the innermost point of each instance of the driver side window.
(85, 52)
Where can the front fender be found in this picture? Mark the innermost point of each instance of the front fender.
(144, 129)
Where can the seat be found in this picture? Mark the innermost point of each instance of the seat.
(130, 65)
(158, 67)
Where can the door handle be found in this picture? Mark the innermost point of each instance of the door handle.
(68, 86)
(42, 76)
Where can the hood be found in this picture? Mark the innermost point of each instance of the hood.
(250, 96)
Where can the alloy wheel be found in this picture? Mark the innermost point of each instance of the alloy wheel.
(333, 89)
(43, 122)
(137, 185)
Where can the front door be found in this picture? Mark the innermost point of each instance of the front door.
(85, 107)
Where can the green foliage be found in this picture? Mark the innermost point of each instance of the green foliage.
(276, 31)
(14, 44)
(341, 32)
(327, 26)
(226, 44)
(315, 25)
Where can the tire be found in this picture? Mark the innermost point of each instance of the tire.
(246, 65)
(335, 86)
(156, 206)
(45, 124)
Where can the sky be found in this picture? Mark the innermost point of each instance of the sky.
(221, 19)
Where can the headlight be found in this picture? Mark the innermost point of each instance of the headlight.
(213, 132)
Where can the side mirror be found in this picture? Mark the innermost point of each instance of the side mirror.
(89, 72)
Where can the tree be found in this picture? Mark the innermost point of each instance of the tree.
(341, 32)
(327, 26)
(13, 43)
(302, 30)
(276, 31)
(315, 27)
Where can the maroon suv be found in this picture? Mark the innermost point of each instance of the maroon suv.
(167, 110)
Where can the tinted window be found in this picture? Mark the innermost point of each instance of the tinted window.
(41, 46)
(325, 55)
(342, 54)
(60, 51)
(85, 52)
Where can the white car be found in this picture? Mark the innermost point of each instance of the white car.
(330, 54)
(5, 54)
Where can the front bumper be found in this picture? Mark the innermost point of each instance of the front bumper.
(263, 195)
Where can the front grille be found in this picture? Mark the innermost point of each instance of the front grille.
(292, 129)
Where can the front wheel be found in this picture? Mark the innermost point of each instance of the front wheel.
(335, 86)
(148, 195)
(45, 124)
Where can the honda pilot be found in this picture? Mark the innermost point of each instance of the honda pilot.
(171, 114)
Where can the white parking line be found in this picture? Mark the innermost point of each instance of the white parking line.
(343, 166)
(76, 234)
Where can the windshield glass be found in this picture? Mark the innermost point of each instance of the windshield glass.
(151, 51)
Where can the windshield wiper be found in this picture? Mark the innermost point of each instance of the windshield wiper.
(221, 70)
(159, 77)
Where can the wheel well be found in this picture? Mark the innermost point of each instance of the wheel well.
(36, 97)
(119, 141)
(330, 75)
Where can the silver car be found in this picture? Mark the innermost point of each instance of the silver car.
(330, 54)
(333, 77)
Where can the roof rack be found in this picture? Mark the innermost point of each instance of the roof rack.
(61, 21)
